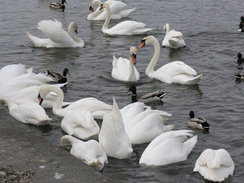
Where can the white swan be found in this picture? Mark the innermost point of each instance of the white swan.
(118, 10)
(30, 113)
(57, 36)
(174, 72)
(169, 147)
(215, 165)
(90, 152)
(122, 28)
(80, 124)
(141, 125)
(124, 69)
(173, 39)
(96, 107)
(113, 137)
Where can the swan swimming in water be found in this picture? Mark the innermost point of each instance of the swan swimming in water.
(169, 147)
(174, 72)
(80, 124)
(118, 10)
(93, 105)
(124, 69)
(30, 113)
(57, 36)
(215, 165)
(113, 137)
(123, 28)
(90, 152)
(173, 39)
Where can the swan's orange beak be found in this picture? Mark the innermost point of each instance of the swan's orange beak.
(142, 44)
(133, 59)
(91, 9)
(40, 99)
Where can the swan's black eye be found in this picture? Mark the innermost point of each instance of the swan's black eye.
(143, 41)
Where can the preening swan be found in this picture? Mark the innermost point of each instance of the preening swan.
(173, 39)
(90, 152)
(118, 10)
(96, 107)
(196, 122)
(174, 72)
(30, 113)
(80, 124)
(169, 147)
(124, 69)
(57, 36)
(113, 137)
(122, 28)
(142, 124)
(215, 165)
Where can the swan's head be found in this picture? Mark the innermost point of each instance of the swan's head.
(133, 52)
(43, 92)
(147, 40)
(93, 4)
(73, 27)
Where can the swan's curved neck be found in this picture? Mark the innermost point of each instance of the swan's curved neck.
(70, 32)
(68, 138)
(57, 106)
(96, 13)
(108, 17)
(156, 54)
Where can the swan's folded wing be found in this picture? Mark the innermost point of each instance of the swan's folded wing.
(116, 6)
(54, 31)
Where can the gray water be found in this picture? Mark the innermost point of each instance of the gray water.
(210, 31)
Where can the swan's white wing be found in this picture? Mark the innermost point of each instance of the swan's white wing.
(121, 68)
(116, 6)
(55, 32)
(175, 68)
(128, 28)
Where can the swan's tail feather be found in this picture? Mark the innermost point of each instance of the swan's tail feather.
(190, 144)
(36, 41)
(68, 138)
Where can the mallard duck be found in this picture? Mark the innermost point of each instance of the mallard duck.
(239, 76)
(199, 123)
(58, 77)
(146, 98)
(58, 5)
(241, 25)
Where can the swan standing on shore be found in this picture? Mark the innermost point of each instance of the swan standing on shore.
(93, 105)
(90, 152)
(123, 28)
(215, 165)
(57, 36)
(174, 72)
(173, 39)
(124, 69)
(169, 147)
(118, 10)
